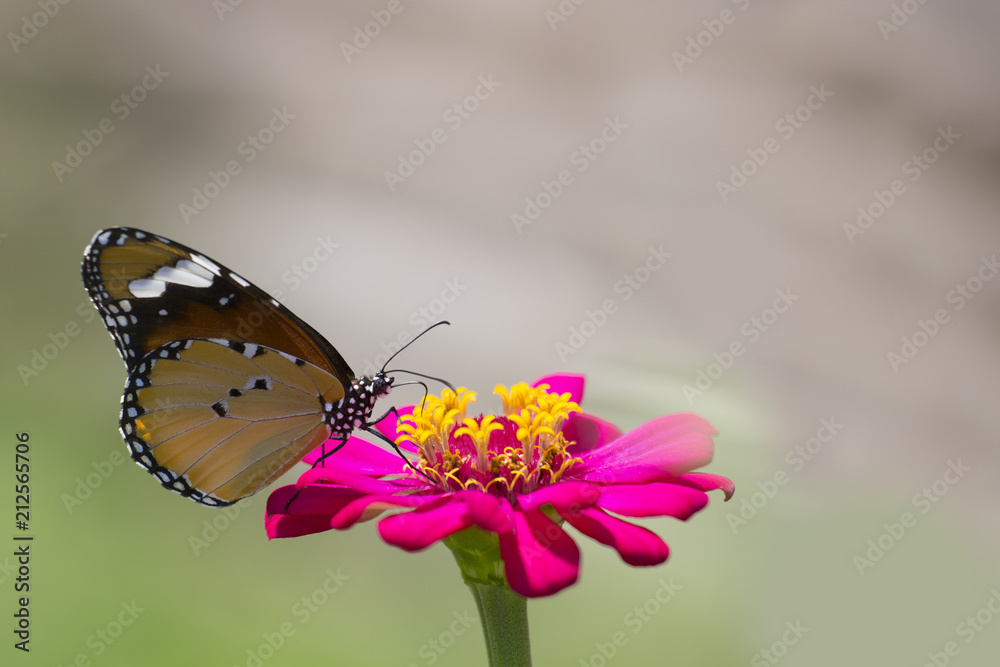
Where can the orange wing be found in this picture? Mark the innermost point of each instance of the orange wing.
(150, 291)
(217, 420)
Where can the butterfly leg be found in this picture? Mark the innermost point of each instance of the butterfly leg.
(377, 434)
(343, 441)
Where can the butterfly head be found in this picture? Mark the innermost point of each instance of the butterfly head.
(381, 384)
(354, 410)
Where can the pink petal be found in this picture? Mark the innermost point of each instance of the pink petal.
(562, 496)
(309, 513)
(487, 511)
(335, 476)
(423, 527)
(359, 456)
(656, 499)
(561, 383)
(368, 507)
(635, 544)
(707, 482)
(674, 443)
(445, 516)
(588, 432)
(540, 558)
(387, 427)
(279, 525)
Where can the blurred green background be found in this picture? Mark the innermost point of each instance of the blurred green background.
(748, 135)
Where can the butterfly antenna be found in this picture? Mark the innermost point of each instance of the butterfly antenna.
(423, 401)
(436, 324)
(422, 384)
(429, 377)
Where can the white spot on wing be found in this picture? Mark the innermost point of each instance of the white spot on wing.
(185, 273)
(207, 263)
(145, 289)
(239, 280)
(125, 305)
(103, 238)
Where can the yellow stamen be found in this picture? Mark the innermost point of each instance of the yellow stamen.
(540, 459)
(480, 434)
(430, 424)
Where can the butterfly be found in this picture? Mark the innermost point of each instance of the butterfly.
(227, 389)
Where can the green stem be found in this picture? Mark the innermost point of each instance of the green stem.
(504, 615)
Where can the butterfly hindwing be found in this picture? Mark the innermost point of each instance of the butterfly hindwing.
(150, 291)
(217, 420)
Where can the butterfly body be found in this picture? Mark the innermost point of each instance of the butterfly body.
(226, 389)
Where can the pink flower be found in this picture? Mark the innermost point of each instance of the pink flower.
(519, 477)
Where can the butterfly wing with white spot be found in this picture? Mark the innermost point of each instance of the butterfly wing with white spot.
(217, 420)
(150, 291)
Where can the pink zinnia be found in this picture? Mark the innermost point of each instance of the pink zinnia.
(512, 479)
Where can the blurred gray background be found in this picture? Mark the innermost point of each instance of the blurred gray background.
(741, 138)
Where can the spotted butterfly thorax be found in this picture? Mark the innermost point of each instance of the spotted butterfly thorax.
(227, 389)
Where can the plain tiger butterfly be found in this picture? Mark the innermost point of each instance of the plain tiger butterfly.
(227, 389)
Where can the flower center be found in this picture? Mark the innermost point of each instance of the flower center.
(505, 455)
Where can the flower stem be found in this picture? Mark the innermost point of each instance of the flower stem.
(504, 615)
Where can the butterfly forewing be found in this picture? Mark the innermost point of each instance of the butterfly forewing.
(217, 420)
(151, 291)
